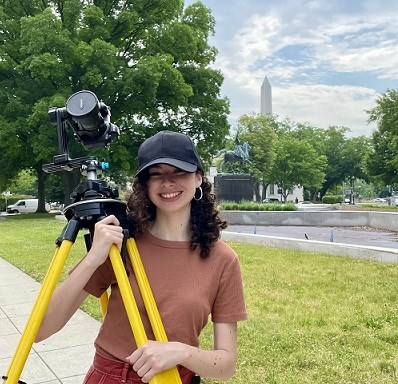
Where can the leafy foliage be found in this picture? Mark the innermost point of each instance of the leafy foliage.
(149, 60)
(332, 199)
(383, 161)
(297, 164)
(253, 206)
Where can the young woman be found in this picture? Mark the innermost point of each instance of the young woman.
(193, 274)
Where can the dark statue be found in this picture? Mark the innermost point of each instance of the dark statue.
(239, 154)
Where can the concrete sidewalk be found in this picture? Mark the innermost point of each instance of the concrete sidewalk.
(64, 357)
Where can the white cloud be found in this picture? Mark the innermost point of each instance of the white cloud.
(382, 59)
(346, 44)
(262, 36)
(358, 45)
(323, 105)
(255, 41)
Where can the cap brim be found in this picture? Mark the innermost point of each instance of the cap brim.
(183, 165)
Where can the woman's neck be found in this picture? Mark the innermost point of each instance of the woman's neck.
(172, 227)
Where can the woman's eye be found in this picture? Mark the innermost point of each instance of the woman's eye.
(177, 172)
(154, 174)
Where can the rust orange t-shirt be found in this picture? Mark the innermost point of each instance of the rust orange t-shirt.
(187, 289)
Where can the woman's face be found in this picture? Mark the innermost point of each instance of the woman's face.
(170, 188)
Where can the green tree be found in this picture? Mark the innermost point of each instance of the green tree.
(355, 153)
(380, 162)
(346, 157)
(333, 146)
(257, 131)
(297, 164)
(383, 161)
(316, 138)
(24, 184)
(148, 60)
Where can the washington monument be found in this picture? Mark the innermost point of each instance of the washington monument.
(266, 98)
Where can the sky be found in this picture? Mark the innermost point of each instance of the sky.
(327, 60)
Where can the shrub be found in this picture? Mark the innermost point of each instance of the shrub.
(332, 199)
(253, 206)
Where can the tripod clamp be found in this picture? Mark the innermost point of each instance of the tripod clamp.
(92, 200)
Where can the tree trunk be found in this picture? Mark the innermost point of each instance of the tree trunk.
(256, 186)
(265, 186)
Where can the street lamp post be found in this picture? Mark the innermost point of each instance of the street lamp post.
(352, 198)
(343, 193)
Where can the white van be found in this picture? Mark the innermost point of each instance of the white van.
(25, 206)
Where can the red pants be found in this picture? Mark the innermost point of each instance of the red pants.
(109, 371)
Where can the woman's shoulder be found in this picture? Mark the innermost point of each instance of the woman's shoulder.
(222, 249)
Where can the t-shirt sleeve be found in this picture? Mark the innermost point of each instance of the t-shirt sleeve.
(229, 305)
(100, 280)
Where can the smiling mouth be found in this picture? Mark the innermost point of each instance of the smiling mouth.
(170, 195)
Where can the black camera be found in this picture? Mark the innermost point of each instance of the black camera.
(90, 121)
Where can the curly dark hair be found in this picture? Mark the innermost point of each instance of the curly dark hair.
(206, 223)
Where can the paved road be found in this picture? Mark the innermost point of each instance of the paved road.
(348, 235)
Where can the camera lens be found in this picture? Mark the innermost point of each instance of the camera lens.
(84, 108)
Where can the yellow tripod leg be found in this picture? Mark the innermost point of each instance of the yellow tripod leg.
(104, 299)
(128, 298)
(32, 326)
(146, 292)
(172, 374)
(165, 377)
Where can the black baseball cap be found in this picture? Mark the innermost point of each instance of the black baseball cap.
(172, 148)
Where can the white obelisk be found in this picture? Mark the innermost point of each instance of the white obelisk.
(266, 98)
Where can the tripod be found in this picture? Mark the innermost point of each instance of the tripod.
(92, 201)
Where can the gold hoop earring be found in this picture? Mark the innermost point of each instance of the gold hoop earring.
(201, 194)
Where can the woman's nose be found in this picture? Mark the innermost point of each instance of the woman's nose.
(168, 179)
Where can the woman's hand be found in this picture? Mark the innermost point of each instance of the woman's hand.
(154, 357)
(106, 233)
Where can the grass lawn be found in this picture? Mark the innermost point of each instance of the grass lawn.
(313, 318)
